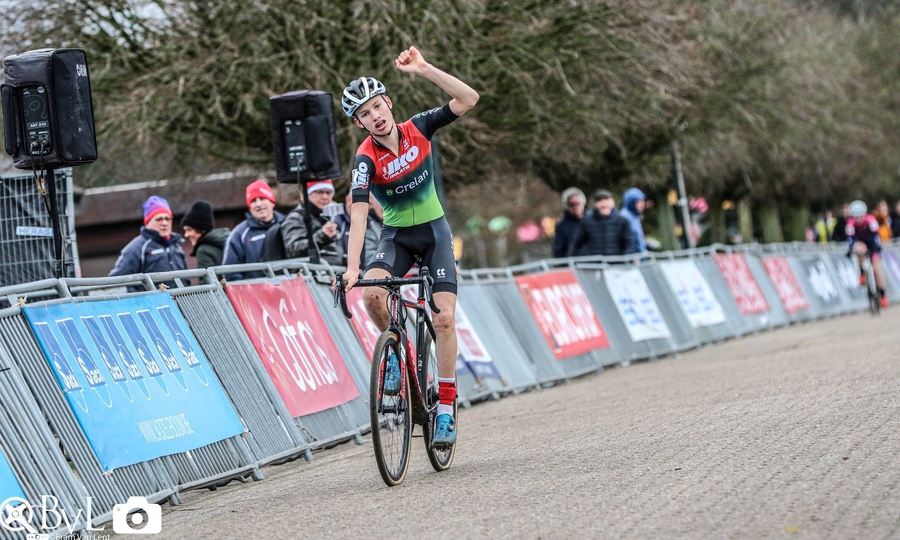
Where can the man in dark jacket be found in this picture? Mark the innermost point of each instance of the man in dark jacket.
(374, 225)
(246, 240)
(603, 231)
(156, 249)
(325, 231)
(573, 200)
(200, 230)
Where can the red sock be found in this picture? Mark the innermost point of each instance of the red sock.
(447, 391)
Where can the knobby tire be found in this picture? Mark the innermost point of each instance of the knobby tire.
(391, 428)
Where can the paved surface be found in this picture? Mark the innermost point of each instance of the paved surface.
(787, 434)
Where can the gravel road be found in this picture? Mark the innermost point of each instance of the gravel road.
(788, 434)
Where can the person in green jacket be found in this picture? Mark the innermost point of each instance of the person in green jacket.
(200, 230)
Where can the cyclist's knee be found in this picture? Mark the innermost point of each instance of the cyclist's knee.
(374, 299)
(444, 322)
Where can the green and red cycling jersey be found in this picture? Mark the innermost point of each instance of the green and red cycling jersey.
(404, 183)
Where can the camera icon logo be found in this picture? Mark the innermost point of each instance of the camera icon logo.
(137, 516)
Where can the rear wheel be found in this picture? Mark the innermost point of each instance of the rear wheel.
(391, 426)
(440, 459)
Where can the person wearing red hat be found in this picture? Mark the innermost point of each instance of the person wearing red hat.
(325, 232)
(156, 249)
(246, 240)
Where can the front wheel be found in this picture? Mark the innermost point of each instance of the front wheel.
(874, 297)
(389, 414)
(440, 459)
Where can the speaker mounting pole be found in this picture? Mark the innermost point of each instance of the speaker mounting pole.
(58, 252)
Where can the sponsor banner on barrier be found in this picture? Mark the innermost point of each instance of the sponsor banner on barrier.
(563, 312)
(848, 275)
(743, 286)
(785, 283)
(693, 292)
(892, 262)
(290, 336)
(472, 350)
(9, 484)
(135, 377)
(636, 304)
(820, 281)
(362, 324)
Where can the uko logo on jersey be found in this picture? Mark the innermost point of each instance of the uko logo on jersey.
(400, 164)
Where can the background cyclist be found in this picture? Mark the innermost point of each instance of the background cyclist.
(862, 236)
(395, 163)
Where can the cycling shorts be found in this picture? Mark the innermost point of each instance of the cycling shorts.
(429, 244)
(873, 246)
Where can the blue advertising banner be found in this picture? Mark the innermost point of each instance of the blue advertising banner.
(9, 485)
(134, 376)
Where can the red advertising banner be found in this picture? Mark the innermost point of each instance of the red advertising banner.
(563, 312)
(294, 345)
(741, 283)
(786, 283)
(365, 329)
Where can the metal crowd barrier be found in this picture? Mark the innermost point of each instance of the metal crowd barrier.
(50, 453)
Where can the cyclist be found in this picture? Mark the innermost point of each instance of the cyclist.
(396, 165)
(863, 237)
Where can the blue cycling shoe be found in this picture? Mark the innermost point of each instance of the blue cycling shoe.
(445, 433)
(392, 376)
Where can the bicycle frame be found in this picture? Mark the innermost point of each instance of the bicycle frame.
(397, 324)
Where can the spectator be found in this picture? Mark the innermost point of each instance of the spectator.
(895, 221)
(840, 225)
(246, 240)
(573, 209)
(824, 228)
(156, 249)
(373, 229)
(632, 207)
(200, 230)
(325, 231)
(603, 231)
(882, 214)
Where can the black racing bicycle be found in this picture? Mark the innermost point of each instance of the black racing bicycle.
(393, 413)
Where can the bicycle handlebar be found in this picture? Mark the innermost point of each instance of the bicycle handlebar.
(424, 279)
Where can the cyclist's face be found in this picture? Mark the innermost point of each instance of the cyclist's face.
(375, 116)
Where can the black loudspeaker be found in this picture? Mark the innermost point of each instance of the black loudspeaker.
(303, 136)
(48, 117)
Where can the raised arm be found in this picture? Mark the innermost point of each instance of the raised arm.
(464, 97)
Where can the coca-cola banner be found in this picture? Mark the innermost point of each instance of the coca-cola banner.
(294, 345)
(785, 283)
(741, 283)
(563, 313)
(362, 324)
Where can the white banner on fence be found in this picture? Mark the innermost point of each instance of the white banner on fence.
(636, 304)
(693, 292)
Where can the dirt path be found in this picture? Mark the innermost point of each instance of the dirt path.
(787, 434)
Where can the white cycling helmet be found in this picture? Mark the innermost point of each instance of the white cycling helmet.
(360, 91)
(858, 208)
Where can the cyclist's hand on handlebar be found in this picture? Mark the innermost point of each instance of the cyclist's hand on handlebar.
(350, 278)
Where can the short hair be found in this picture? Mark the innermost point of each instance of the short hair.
(601, 194)
(570, 192)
